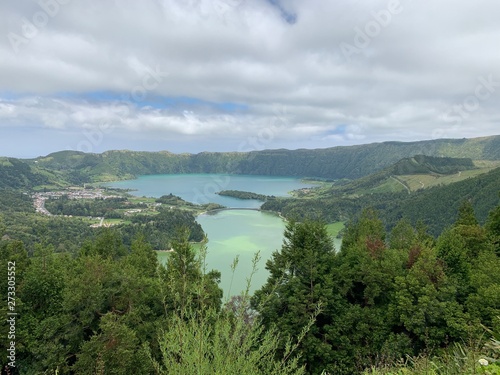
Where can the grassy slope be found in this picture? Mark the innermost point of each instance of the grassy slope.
(436, 202)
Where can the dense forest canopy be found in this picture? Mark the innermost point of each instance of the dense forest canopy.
(417, 276)
(111, 308)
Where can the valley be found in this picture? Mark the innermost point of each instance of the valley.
(360, 231)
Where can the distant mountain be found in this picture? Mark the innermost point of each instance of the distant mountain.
(73, 167)
(332, 163)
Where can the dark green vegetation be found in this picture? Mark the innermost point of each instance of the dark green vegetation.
(435, 205)
(385, 296)
(90, 207)
(157, 223)
(243, 195)
(112, 309)
(175, 201)
(405, 183)
(422, 164)
(17, 174)
(75, 168)
(399, 179)
(417, 276)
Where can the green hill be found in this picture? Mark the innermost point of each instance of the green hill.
(392, 178)
(352, 162)
(422, 164)
(16, 174)
(332, 163)
(435, 206)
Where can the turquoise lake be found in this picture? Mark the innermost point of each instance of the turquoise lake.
(231, 233)
(202, 188)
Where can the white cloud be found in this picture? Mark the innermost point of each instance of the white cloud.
(423, 62)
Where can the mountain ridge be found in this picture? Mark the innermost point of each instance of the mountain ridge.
(351, 162)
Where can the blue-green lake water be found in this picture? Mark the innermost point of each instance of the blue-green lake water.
(230, 233)
(202, 188)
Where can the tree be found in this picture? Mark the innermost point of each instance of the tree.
(368, 229)
(425, 304)
(184, 276)
(403, 236)
(483, 303)
(365, 272)
(108, 244)
(466, 215)
(143, 257)
(300, 279)
(493, 228)
(212, 341)
(43, 321)
(116, 350)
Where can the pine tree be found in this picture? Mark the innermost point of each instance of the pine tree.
(466, 215)
(184, 276)
(300, 279)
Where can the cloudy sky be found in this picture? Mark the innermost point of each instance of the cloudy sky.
(240, 75)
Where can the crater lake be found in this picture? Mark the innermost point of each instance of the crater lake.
(236, 232)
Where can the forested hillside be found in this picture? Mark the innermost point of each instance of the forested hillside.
(16, 174)
(417, 275)
(70, 226)
(331, 163)
(435, 206)
(110, 308)
(421, 164)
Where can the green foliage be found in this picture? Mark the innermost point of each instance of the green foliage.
(116, 350)
(243, 195)
(385, 300)
(425, 304)
(422, 164)
(204, 339)
(87, 207)
(15, 201)
(466, 215)
(108, 244)
(220, 343)
(436, 206)
(184, 275)
(110, 307)
(493, 227)
(161, 229)
(16, 174)
(299, 280)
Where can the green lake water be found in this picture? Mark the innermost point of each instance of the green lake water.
(241, 233)
(231, 233)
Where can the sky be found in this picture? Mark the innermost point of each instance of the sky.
(244, 75)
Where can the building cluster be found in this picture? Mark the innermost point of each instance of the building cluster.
(40, 198)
